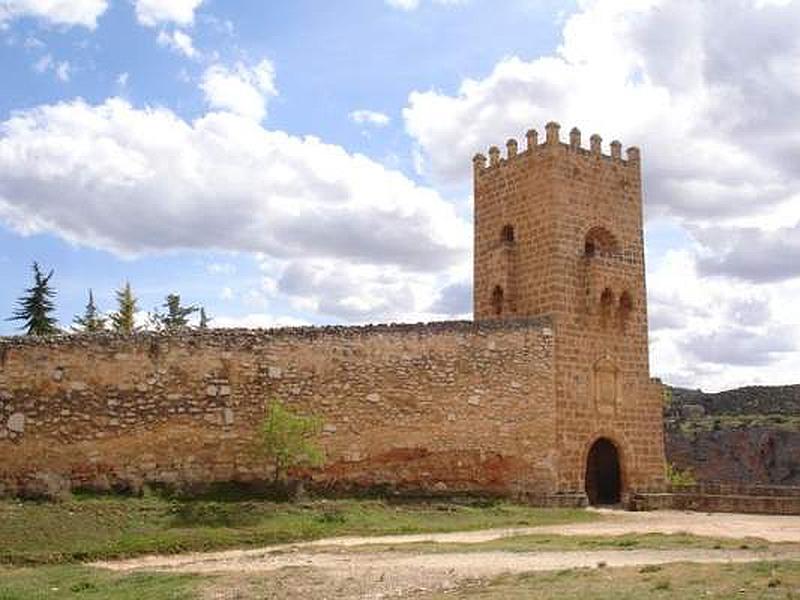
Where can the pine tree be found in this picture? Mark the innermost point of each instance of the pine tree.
(204, 320)
(91, 321)
(123, 321)
(36, 306)
(177, 316)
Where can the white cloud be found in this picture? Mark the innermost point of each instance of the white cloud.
(256, 321)
(241, 89)
(409, 5)
(61, 69)
(717, 333)
(44, 63)
(156, 12)
(711, 111)
(370, 117)
(356, 292)
(217, 268)
(33, 43)
(57, 12)
(351, 237)
(178, 41)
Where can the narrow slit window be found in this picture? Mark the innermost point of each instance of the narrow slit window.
(625, 308)
(497, 300)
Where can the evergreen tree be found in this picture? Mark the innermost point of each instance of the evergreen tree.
(204, 320)
(176, 317)
(123, 320)
(91, 321)
(35, 307)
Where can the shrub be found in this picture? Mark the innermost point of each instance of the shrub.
(680, 477)
(288, 439)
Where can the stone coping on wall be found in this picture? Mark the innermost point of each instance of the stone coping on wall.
(731, 503)
(721, 496)
(543, 323)
(724, 488)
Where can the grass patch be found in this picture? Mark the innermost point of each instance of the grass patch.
(93, 528)
(561, 543)
(708, 423)
(683, 580)
(73, 581)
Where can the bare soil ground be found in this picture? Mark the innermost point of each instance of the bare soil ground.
(331, 568)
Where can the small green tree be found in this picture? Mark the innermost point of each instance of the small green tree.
(124, 320)
(288, 439)
(91, 321)
(35, 307)
(176, 317)
(204, 319)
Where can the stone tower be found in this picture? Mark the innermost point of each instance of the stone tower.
(558, 231)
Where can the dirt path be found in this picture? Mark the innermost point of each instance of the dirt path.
(722, 525)
(287, 575)
(459, 564)
(325, 568)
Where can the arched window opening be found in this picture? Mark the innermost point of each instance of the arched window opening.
(603, 473)
(497, 300)
(507, 234)
(600, 242)
(606, 305)
(625, 308)
(607, 299)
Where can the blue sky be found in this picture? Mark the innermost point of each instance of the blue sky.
(309, 162)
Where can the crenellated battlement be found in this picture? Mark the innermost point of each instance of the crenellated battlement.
(552, 139)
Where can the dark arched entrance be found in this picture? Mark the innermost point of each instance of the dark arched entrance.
(603, 476)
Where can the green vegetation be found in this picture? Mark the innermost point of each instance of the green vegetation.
(709, 423)
(91, 321)
(680, 477)
(289, 440)
(36, 306)
(94, 528)
(123, 321)
(176, 318)
(667, 398)
(73, 581)
(204, 319)
(548, 542)
(683, 580)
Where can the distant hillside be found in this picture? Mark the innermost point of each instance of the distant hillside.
(748, 435)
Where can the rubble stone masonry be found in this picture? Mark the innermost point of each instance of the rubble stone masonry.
(443, 407)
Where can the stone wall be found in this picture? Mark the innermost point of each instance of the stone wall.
(440, 407)
(723, 497)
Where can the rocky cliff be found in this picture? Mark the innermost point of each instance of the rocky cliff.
(748, 435)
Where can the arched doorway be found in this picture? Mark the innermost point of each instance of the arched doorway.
(603, 473)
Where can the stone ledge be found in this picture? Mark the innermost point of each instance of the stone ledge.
(542, 322)
(768, 505)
